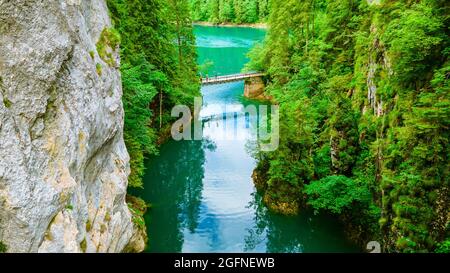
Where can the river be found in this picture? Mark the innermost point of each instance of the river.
(202, 195)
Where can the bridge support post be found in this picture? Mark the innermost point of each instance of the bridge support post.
(254, 88)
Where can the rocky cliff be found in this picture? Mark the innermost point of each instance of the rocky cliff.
(63, 162)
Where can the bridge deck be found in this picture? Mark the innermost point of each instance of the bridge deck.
(230, 78)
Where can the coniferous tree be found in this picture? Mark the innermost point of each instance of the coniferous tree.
(156, 73)
(364, 101)
(230, 11)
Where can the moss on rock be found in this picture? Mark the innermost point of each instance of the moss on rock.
(107, 44)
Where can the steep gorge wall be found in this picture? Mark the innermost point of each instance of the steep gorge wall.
(63, 162)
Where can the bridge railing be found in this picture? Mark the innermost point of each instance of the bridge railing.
(230, 77)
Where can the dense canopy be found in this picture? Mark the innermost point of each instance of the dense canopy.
(365, 108)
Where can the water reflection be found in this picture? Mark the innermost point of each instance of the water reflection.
(307, 232)
(177, 195)
(202, 192)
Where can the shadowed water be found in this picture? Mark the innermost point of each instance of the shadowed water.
(202, 193)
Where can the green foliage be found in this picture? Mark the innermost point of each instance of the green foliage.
(364, 105)
(108, 42)
(83, 245)
(98, 68)
(107, 216)
(138, 91)
(230, 11)
(156, 71)
(414, 39)
(405, 244)
(256, 56)
(88, 225)
(336, 194)
(443, 247)
(3, 247)
(138, 207)
(7, 102)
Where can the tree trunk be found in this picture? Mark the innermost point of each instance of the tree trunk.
(160, 109)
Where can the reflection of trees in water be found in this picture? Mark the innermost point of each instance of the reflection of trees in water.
(281, 234)
(190, 198)
(257, 234)
(173, 184)
(293, 234)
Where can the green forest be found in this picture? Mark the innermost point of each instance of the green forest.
(230, 11)
(96, 125)
(153, 83)
(365, 109)
(364, 101)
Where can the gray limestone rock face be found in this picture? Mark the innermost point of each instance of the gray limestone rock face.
(63, 161)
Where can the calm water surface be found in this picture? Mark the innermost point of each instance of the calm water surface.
(202, 193)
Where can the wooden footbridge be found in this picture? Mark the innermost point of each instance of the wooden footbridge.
(230, 78)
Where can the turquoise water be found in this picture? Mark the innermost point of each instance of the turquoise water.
(225, 47)
(202, 193)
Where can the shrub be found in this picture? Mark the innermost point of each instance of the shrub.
(443, 247)
(3, 247)
(83, 245)
(98, 67)
(336, 193)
